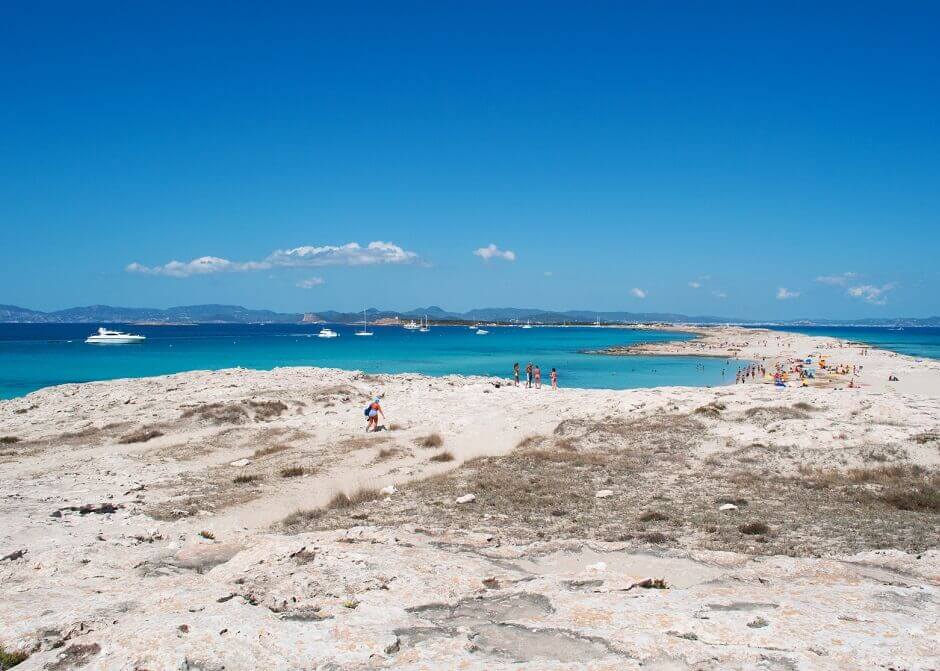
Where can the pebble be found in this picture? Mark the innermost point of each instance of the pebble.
(466, 498)
(388, 491)
(240, 462)
(727, 506)
(604, 493)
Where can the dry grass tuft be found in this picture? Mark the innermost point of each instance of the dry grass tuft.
(570, 457)
(265, 410)
(754, 528)
(208, 535)
(442, 456)
(387, 453)
(302, 517)
(773, 413)
(140, 436)
(394, 426)
(218, 413)
(268, 451)
(653, 516)
(10, 659)
(806, 407)
(924, 496)
(343, 501)
(8, 440)
(528, 442)
(246, 479)
(432, 441)
(656, 538)
(712, 411)
(292, 472)
(926, 437)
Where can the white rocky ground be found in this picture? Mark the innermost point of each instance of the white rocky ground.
(137, 587)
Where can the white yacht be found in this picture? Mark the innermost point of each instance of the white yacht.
(425, 327)
(327, 333)
(481, 331)
(106, 336)
(527, 325)
(365, 326)
(411, 326)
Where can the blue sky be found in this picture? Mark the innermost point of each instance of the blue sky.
(725, 158)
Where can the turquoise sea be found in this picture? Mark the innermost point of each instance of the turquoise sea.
(916, 341)
(33, 356)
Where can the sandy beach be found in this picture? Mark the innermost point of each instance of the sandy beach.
(243, 519)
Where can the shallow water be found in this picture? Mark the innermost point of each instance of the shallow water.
(33, 356)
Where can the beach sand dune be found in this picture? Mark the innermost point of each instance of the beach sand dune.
(243, 519)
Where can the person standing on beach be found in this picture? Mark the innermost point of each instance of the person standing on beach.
(554, 378)
(537, 373)
(515, 374)
(528, 375)
(373, 411)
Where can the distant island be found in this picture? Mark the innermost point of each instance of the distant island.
(236, 314)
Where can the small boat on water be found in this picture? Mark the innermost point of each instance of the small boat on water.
(527, 325)
(411, 326)
(425, 327)
(481, 331)
(109, 337)
(365, 326)
(327, 333)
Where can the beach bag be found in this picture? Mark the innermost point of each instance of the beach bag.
(366, 411)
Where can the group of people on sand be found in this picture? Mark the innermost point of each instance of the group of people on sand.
(533, 376)
(749, 372)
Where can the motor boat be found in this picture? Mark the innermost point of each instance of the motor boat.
(411, 326)
(527, 325)
(365, 326)
(106, 336)
(327, 333)
(481, 331)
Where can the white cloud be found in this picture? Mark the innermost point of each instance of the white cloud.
(784, 294)
(350, 254)
(639, 293)
(310, 282)
(491, 251)
(836, 280)
(719, 294)
(204, 265)
(872, 294)
(699, 281)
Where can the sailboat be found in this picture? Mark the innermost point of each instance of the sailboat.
(527, 325)
(365, 326)
(425, 327)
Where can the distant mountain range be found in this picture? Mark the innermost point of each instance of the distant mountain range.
(236, 314)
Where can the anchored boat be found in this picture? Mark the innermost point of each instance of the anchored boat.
(108, 337)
